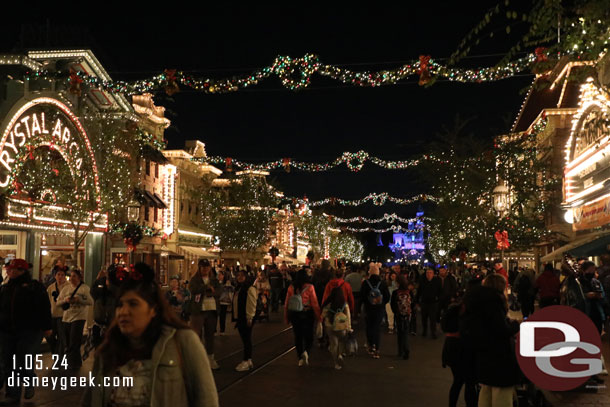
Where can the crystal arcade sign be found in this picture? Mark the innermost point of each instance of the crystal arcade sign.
(46, 122)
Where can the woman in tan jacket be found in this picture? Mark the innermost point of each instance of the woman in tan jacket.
(152, 357)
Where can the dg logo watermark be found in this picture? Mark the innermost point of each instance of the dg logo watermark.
(559, 348)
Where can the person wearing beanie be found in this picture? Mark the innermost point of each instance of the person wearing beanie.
(375, 295)
(25, 316)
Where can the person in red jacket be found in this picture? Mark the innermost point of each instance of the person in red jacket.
(338, 281)
(499, 269)
(547, 285)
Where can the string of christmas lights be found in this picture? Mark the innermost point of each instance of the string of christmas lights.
(378, 199)
(354, 161)
(387, 217)
(295, 74)
(119, 228)
(393, 228)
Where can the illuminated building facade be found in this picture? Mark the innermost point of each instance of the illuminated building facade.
(49, 115)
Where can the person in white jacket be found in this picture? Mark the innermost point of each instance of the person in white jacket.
(75, 299)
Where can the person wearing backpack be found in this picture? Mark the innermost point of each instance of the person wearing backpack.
(302, 311)
(339, 282)
(376, 296)
(337, 323)
(401, 307)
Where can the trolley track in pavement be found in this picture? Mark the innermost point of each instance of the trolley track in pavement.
(265, 351)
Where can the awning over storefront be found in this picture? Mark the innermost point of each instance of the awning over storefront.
(593, 244)
(143, 197)
(199, 252)
(159, 201)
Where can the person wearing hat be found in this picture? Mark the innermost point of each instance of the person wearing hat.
(205, 293)
(25, 316)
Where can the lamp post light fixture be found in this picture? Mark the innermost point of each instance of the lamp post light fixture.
(133, 210)
(501, 199)
(133, 215)
(501, 203)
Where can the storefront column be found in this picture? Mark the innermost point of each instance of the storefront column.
(94, 256)
(32, 252)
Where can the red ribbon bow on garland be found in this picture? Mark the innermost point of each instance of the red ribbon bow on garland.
(171, 87)
(502, 238)
(131, 247)
(229, 164)
(75, 83)
(540, 53)
(286, 164)
(424, 72)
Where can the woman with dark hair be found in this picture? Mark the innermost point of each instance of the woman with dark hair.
(148, 346)
(337, 323)
(75, 299)
(486, 329)
(244, 310)
(302, 311)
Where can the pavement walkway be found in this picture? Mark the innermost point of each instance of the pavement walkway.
(278, 381)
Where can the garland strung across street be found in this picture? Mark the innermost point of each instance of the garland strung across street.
(393, 228)
(390, 218)
(354, 161)
(378, 199)
(295, 74)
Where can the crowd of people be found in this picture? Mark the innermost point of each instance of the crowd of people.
(141, 328)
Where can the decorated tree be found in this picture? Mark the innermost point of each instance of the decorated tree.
(464, 220)
(346, 246)
(241, 216)
(577, 30)
(316, 228)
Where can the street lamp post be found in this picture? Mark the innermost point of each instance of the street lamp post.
(501, 203)
(133, 215)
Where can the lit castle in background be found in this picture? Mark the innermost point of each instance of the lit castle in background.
(411, 245)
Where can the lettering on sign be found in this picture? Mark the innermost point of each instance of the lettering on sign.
(48, 122)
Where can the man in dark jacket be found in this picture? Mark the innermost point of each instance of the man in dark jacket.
(428, 296)
(449, 288)
(25, 316)
(276, 281)
(205, 293)
(374, 306)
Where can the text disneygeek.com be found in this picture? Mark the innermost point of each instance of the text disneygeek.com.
(19, 376)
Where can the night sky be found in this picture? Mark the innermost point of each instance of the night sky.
(268, 122)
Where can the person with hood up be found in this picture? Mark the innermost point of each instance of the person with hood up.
(375, 295)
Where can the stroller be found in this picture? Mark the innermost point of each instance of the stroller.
(262, 306)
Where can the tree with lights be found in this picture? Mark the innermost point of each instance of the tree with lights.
(241, 216)
(464, 220)
(316, 228)
(345, 246)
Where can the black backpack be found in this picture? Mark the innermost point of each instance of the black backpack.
(524, 284)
